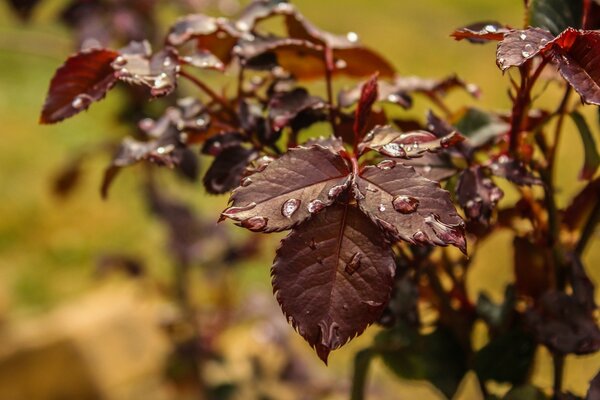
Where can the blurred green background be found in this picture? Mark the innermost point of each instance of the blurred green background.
(49, 246)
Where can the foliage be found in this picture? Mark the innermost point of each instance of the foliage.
(372, 207)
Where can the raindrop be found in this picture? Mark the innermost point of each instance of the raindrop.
(352, 36)
(496, 194)
(369, 136)
(80, 101)
(543, 43)
(240, 25)
(372, 303)
(381, 207)
(527, 50)
(421, 237)
(312, 244)
(393, 150)
(386, 164)
(200, 122)
(255, 223)
(161, 81)
(501, 61)
(445, 142)
(315, 206)
(523, 36)
(161, 150)
(119, 62)
(394, 98)
(405, 204)
(290, 207)
(246, 181)
(427, 169)
(341, 64)
(231, 211)
(386, 226)
(167, 62)
(473, 208)
(490, 28)
(335, 191)
(354, 263)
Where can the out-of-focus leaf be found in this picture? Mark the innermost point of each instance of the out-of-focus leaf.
(23, 8)
(525, 392)
(583, 288)
(496, 315)
(257, 11)
(227, 169)
(333, 143)
(109, 263)
(67, 179)
(333, 277)
(435, 167)
(577, 54)
(285, 107)
(532, 267)
(480, 127)
(189, 165)
(592, 158)
(594, 390)
(368, 96)
(216, 144)
(581, 206)
(409, 207)
(477, 194)
(85, 77)
(362, 360)
(506, 358)
(392, 143)
(513, 170)
(481, 32)
(158, 72)
(562, 324)
(289, 190)
(521, 45)
(555, 15)
(436, 357)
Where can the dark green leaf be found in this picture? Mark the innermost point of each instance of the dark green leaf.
(555, 15)
(592, 158)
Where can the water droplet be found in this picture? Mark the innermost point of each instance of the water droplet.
(421, 237)
(352, 36)
(307, 312)
(490, 28)
(241, 26)
(354, 263)
(290, 207)
(445, 142)
(345, 306)
(523, 36)
(372, 303)
(496, 194)
(119, 62)
(473, 208)
(335, 191)
(427, 169)
(369, 136)
(449, 234)
(200, 122)
(315, 206)
(284, 7)
(386, 164)
(232, 211)
(312, 244)
(255, 223)
(167, 62)
(393, 150)
(381, 207)
(405, 204)
(527, 50)
(543, 43)
(386, 226)
(394, 98)
(81, 101)
(246, 181)
(501, 61)
(341, 64)
(161, 81)
(161, 150)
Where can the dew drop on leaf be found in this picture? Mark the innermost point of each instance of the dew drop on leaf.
(523, 36)
(312, 244)
(447, 233)
(527, 50)
(386, 164)
(354, 263)
(335, 191)
(393, 150)
(372, 303)
(381, 207)
(231, 211)
(405, 204)
(246, 182)
(315, 206)
(290, 207)
(255, 223)
(420, 237)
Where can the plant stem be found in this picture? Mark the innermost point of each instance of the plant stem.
(362, 360)
(329, 67)
(213, 95)
(559, 367)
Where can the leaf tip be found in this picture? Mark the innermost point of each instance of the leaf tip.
(323, 352)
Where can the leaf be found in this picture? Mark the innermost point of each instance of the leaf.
(578, 212)
(436, 357)
(158, 72)
(227, 169)
(85, 77)
(525, 392)
(513, 170)
(333, 277)
(594, 390)
(289, 190)
(409, 207)
(582, 286)
(285, 107)
(362, 361)
(532, 267)
(555, 15)
(258, 10)
(592, 158)
(506, 358)
(519, 46)
(368, 96)
(577, 54)
(481, 32)
(481, 128)
(393, 143)
(23, 8)
(563, 325)
(477, 194)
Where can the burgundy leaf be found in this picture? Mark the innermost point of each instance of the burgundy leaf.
(436, 167)
(393, 143)
(258, 10)
(564, 325)
(83, 79)
(481, 32)
(216, 144)
(583, 288)
(285, 107)
(227, 169)
(513, 170)
(477, 194)
(520, 46)
(203, 59)
(368, 96)
(577, 54)
(333, 276)
(578, 212)
(158, 73)
(408, 206)
(289, 190)
(333, 143)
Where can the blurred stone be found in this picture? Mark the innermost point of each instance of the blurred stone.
(106, 345)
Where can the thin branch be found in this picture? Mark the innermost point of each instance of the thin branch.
(212, 94)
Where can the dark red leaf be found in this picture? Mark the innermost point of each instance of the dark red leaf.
(333, 143)
(227, 169)
(577, 54)
(289, 190)
(285, 107)
(481, 32)
(519, 46)
(368, 96)
(158, 73)
(258, 10)
(333, 277)
(83, 79)
(583, 288)
(477, 194)
(436, 167)
(392, 143)
(564, 325)
(408, 206)
(513, 170)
